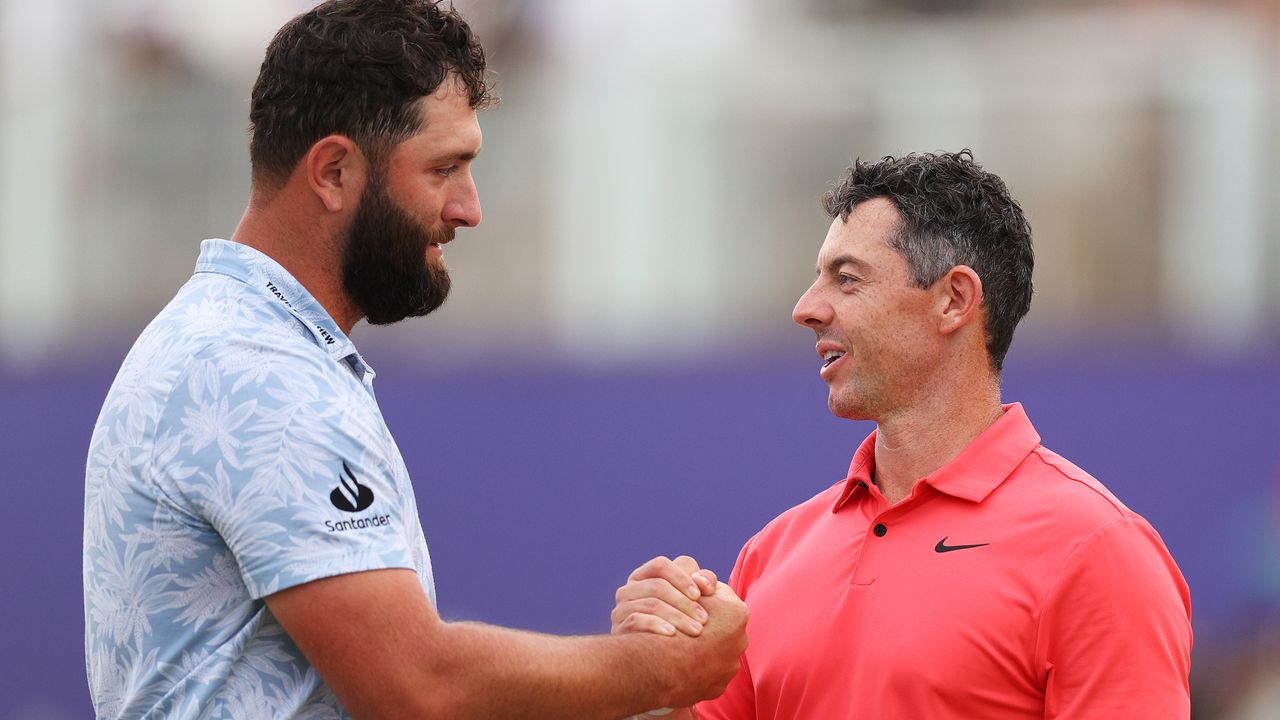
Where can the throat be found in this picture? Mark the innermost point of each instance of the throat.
(907, 451)
(894, 490)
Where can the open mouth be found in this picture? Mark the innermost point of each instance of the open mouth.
(830, 357)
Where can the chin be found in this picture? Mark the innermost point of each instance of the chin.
(843, 408)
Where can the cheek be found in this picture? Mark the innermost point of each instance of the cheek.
(896, 335)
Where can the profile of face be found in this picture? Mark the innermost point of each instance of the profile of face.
(877, 331)
(412, 203)
(386, 269)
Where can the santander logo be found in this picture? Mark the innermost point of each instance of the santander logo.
(350, 495)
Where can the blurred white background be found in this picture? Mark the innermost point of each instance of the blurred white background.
(650, 180)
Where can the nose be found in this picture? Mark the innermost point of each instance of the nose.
(463, 207)
(811, 310)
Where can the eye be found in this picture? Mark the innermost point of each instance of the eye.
(846, 280)
(446, 171)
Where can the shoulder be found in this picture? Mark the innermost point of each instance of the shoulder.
(215, 315)
(236, 367)
(1046, 479)
(1075, 517)
(219, 328)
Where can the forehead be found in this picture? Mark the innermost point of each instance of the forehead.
(450, 129)
(864, 236)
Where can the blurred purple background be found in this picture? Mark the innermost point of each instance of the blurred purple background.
(542, 486)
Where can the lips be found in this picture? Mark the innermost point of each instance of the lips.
(831, 354)
(436, 249)
(439, 239)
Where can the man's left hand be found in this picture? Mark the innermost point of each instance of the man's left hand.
(662, 596)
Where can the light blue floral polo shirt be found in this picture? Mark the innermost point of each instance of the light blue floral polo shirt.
(240, 451)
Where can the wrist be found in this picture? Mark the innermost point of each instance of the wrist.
(667, 661)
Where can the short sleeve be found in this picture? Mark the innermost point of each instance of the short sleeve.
(1115, 635)
(738, 701)
(285, 456)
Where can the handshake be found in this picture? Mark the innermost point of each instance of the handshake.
(705, 621)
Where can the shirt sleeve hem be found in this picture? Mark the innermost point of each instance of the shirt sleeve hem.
(321, 567)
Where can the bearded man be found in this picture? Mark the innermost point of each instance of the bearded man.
(252, 547)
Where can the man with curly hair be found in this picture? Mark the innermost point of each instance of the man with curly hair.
(252, 547)
(960, 569)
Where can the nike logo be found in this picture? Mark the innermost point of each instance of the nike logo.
(942, 546)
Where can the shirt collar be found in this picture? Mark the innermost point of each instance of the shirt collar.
(269, 278)
(979, 468)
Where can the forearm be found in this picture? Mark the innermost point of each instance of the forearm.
(482, 671)
(393, 657)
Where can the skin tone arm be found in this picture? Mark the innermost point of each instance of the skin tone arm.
(376, 640)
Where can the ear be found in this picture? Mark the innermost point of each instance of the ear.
(959, 298)
(336, 171)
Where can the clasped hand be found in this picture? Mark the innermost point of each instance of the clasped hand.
(678, 599)
(663, 596)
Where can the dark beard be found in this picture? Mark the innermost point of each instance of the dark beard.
(385, 270)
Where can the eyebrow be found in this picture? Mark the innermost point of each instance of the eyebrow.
(836, 262)
(459, 156)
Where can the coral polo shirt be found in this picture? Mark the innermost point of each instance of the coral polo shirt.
(1009, 584)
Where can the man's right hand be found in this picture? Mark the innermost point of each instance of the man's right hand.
(711, 637)
(713, 657)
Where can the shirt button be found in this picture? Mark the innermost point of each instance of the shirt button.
(880, 530)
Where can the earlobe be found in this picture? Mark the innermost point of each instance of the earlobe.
(333, 167)
(961, 297)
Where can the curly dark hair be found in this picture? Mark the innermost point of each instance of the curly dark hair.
(953, 213)
(358, 68)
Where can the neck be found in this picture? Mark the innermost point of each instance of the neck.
(310, 253)
(916, 440)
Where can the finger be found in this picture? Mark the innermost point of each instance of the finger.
(642, 622)
(661, 591)
(649, 569)
(667, 569)
(687, 564)
(724, 595)
(706, 581)
(659, 609)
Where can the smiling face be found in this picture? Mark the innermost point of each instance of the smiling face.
(393, 258)
(877, 331)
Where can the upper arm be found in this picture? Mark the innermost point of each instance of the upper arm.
(1115, 635)
(370, 635)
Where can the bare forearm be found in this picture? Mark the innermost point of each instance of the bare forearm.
(395, 658)
(490, 672)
